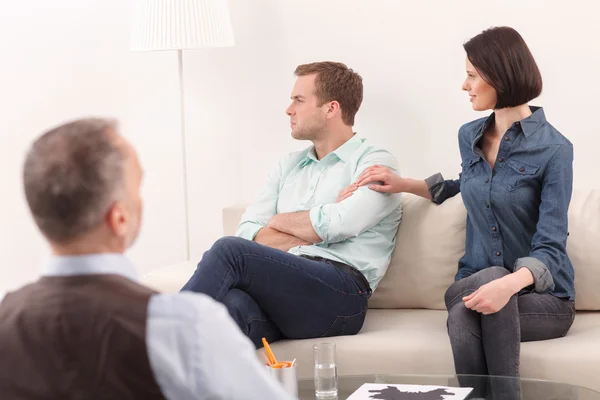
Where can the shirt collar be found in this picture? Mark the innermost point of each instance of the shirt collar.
(529, 125)
(310, 157)
(532, 123)
(90, 264)
(343, 152)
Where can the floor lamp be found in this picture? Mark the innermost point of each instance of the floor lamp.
(180, 25)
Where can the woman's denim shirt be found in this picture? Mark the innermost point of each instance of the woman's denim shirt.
(517, 211)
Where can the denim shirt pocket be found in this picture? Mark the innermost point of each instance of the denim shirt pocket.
(520, 174)
(469, 168)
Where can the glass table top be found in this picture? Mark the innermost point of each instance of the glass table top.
(484, 387)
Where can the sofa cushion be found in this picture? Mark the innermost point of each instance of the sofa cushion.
(390, 342)
(584, 237)
(430, 241)
(415, 342)
(573, 359)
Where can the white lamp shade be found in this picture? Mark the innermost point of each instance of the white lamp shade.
(180, 24)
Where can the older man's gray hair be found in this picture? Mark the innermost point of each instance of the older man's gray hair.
(72, 175)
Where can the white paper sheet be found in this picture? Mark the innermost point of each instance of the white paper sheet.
(385, 391)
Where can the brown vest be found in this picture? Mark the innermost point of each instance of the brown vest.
(77, 337)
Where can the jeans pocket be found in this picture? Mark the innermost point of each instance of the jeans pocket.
(346, 325)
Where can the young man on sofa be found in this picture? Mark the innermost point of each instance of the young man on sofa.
(308, 253)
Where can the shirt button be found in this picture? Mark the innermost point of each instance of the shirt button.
(500, 159)
(507, 138)
(487, 205)
(494, 228)
(498, 253)
(521, 169)
(487, 180)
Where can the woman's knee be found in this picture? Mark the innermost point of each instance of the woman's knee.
(492, 273)
(458, 316)
(451, 293)
(471, 283)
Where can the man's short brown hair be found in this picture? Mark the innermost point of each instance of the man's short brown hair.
(504, 61)
(336, 82)
(72, 175)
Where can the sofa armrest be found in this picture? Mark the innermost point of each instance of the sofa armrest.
(169, 279)
(232, 216)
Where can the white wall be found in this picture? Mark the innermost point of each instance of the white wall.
(64, 59)
(411, 58)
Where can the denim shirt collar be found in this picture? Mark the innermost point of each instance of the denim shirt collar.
(534, 122)
(528, 125)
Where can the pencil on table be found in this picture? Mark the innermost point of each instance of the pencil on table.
(270, 354)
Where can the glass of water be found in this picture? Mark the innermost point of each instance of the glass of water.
(326, 376)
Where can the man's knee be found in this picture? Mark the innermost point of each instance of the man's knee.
(222, 254)
(227, 245)
(229, 242)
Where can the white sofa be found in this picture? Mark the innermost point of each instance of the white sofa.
(405, 328)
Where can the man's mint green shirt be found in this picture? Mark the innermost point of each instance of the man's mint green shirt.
(359, 231)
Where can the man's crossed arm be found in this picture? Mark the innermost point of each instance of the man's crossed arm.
(296, 224)
(279, 240)
(288, 230)
(356, 210)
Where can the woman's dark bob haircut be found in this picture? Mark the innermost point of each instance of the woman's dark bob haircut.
(502, 58)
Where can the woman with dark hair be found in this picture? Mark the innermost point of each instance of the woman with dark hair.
(515, 281)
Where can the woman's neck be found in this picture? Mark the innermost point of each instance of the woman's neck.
(505, 117)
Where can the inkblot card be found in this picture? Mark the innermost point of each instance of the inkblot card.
(378, 391)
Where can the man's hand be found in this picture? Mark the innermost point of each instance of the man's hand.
(490, 298)
(346, 192)
(278, 240)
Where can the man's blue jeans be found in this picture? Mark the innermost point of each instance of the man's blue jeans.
(274, 294)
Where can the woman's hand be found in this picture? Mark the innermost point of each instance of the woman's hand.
(491, 297)
(387, 181)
